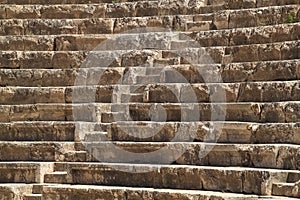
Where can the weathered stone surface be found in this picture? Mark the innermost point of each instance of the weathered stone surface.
(237, 72)
(202, 154)
(53, 111)
(27, 152)
(30, 43)
(14, 191)
(286, 189)
(32, 95)
(82, 192)
(192, 177)
(34, 172)
(254, 112)
(31, 131)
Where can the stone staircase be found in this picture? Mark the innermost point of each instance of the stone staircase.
(205, 107)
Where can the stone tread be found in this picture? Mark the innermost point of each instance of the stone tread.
(285, 70)
(238, 132)
(102, 10)
(273, 156)
(286, 189)
(235, 92)
(83, 192)
(49, 2)
(222, 132)
(34, 151)
(37, 131)
(234, 19)
(206, 55)
(248, 112)
(13, 172)
(187, 176)
(228, 37)
(236, 4)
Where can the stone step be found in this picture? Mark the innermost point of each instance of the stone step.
(221, 20)
(286, 189)
(120, 9)
(38, 188)
(227, 37)
(224, 132)
(248, 112)
(37, 131)
(120, 58)
(243, 92)
(104, 10)
(32, 197)
(40, 151)
(18, 151)
(14, 191)
(24, 172)
(51, 112)
(147, 79)
(238, 4)
(284, 70)
(253, 181)
(175, 90)
(75, 156)
(82, 192)
(254, 17)
(241, 4)
(221, 132)
(244, 36)
(199, 26)
(125, 98)
(95, 136)
(56, 177)
(236, 54)
(109, 117)
(54, 2)
(275, 156)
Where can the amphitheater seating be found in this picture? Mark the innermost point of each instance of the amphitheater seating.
(242, 145)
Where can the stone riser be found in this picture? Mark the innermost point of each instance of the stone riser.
(224, 55)
(254, 112)
(238, 4)
(247, 112)
(232, 19)
(131, 9)
(268, 34)
(17, 172)
(228, 37)
(210, 132)
(80, 192)
(237, 72)
(49, 2)
(231, 132)
(23, 152)
(32, 197)
(140, 9)
(223, 155)
(14, 191)
(286, 189)
(157, 93)
(239, 180)
(37, 131)
(202, 154)
(41, 151)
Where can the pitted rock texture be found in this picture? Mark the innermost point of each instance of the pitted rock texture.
(71, 93)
